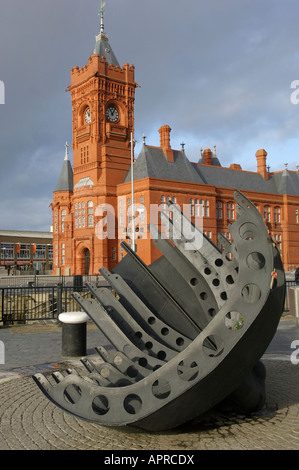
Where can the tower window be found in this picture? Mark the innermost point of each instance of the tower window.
(90, 214)
(63, 214)
(84, 154)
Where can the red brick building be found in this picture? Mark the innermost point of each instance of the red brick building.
(103, 95)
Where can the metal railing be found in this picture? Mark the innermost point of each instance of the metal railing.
(20, 304)
(43, 280)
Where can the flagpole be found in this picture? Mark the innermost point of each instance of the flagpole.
(132, 192)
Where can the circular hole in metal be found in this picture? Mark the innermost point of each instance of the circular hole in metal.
(213, 346)
(161, 355)
(151, 320)
(207, 271)
(194, 281)
(234, 321)
(72, 394)
(132, 371)
(223, 295)
(251, 293)
(216, 282)
(255, 261)
(142, 361)
(138, 334)
(161, 389)
(212, 312)
(230, 279)
(187, 370)
(100, 405)
(203, 295)
(148, 345)
(165, 331)
(132, 404)
(180, 341)
(248, 231)
(218, 262)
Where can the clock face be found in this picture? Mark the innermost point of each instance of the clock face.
(112, 114)
(88, 116)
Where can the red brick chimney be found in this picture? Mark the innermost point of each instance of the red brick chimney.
(165, 142)
(207, 157)
(261, 157)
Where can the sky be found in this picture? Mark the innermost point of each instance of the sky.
(218, 72)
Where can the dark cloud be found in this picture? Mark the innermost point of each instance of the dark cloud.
(218, 72)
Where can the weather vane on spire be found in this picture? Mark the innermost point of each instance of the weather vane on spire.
(101, 15)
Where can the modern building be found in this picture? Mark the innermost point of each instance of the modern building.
(24, 250)
(97, 190)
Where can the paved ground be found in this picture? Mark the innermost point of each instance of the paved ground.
(29, 421)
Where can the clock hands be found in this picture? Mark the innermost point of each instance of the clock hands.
(112, 114)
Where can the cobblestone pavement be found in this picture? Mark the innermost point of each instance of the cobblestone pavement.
(29, 421)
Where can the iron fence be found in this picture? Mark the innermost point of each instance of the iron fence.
(20, 304)
(43, 280)
(28, 303)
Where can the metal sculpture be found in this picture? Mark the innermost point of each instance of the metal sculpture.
(188, 331)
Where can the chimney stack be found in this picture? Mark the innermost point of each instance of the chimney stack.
(207, 156)
(261, 157)
(165, 142)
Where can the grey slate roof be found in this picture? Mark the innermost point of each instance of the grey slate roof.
(287, 182)
(65, 182)
(214, 161)
(103, 48)
(152, 163)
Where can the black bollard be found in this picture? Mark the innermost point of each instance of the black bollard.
(73, 333)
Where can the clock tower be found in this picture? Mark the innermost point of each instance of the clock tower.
(102, 95)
